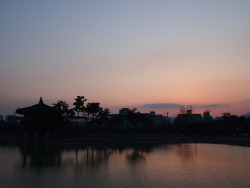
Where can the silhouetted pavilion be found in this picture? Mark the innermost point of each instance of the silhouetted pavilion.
(39, 109)
(39, 114)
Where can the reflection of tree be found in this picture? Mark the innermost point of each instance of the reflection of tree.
(43, 155)
(93, 157)
(135, 156)
(139, 151)
(81, 156)
(187, 152)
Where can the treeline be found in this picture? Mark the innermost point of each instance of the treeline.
(89, 117)
(223, 125)
(91, 114)
(84, 116)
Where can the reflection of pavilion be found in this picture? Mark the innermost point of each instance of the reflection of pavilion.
(43, 155)
(40, 155)
(39, 114)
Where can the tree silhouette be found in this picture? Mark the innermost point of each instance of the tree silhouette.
(105, 114)
(79, 105)
(63, 107)
(96, 114)
(182, 110)
(93, 110)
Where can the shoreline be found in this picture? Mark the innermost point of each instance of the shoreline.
(164, 139)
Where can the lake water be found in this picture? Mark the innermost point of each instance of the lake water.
(134, 164)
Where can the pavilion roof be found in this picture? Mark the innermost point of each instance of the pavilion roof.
(37, 109)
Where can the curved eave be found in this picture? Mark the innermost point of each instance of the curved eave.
(40, 109)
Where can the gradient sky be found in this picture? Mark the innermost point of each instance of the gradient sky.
(126, 54)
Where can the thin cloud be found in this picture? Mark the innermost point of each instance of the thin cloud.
(246, 101)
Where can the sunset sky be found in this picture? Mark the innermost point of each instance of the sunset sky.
(148, 54)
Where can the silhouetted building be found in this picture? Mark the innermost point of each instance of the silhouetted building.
(1, 120)
(128, 119)
(207, 117)
(152, 113)
(39, 109)
(124, 111)
(13, 120)
(188, 118)
(39, 114)
(159, 120)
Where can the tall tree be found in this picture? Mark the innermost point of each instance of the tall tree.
(93, 110)
(79, 105)
(95, 113)
(61, 106)
(105, 114)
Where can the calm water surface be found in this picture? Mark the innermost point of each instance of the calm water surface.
(124, 165)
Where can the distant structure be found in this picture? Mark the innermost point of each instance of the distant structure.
(207, 117)
(188, 118)
(13, 120)
(124, 111)
(156, 119)
(152, 113)
(139, 120)
(1, 120)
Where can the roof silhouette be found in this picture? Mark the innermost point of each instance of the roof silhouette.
(37, 109)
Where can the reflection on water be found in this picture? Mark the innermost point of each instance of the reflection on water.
(187, 152)
(123, 164)
(40, 156)
(135, 155)
(91, 155)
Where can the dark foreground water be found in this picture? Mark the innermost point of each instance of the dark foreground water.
(143, 164)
